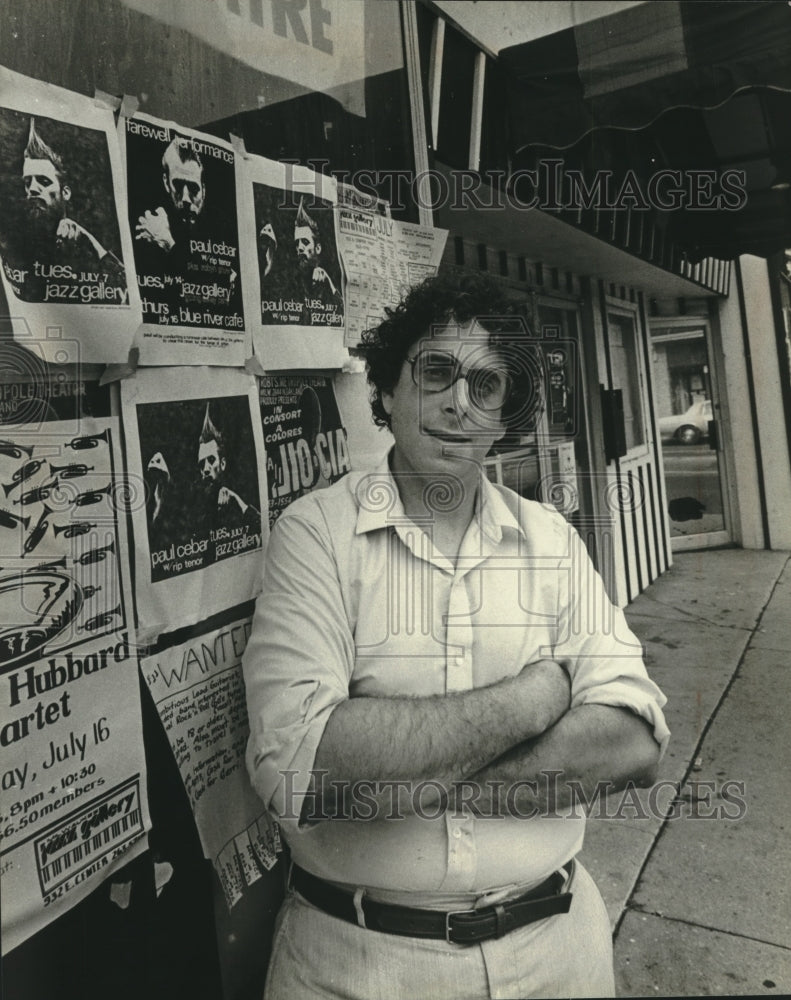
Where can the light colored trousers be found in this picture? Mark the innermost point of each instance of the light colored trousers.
(569, 955)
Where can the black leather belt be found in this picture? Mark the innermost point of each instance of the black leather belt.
(456, 926)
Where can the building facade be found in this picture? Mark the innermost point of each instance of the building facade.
(664, 342)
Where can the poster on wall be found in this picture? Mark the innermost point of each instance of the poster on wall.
(382, 258)
(74, 805)
(305, 440)
(293, 284)
(194, 439)
(182, 214)
(198, 691)
(65, 246)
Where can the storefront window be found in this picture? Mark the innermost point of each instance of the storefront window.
(322, 82)
(626, 374)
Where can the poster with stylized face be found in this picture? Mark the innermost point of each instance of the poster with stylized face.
(294, 286)
(183, 218)
(65, 248)
(195, 441)
(200, 465)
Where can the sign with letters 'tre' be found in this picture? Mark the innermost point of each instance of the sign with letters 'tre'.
(318, 44)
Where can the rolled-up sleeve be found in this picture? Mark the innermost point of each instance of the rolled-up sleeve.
(297, 663)
(602, 654)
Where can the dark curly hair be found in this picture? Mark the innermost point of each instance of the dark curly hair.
(457, 299)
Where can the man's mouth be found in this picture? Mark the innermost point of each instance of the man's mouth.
(449, 437)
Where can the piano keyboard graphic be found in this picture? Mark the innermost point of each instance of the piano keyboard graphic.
(88, 848)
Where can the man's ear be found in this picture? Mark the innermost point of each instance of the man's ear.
(387, 401)
(165, 181)
(65, 192)
(318, 249)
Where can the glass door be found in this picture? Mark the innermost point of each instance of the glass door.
(687, 422)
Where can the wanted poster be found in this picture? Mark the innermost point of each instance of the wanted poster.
(294, 284)
(198, 690)
(73, 774)
(182, 216)
(65, 248)
(305, 440)
(382, 259)
(194, 439)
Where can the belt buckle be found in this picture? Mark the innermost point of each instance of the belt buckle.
(454, 913)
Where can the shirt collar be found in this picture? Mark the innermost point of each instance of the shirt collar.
(379, 504)
(378, 500)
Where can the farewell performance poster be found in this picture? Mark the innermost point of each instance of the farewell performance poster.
(198, 690)
(306, 444)
(183, 220)
(293, 289)
(194, 437)
(65, 248)
(382, 258)
(74, 805)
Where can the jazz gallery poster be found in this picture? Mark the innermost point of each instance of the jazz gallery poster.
(74, 806)
(293, 284)
(182, 215)
(194, 440)
(65, 247)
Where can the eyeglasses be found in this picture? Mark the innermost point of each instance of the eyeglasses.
(435, 371)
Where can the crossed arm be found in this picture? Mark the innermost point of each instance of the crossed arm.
(510, 731)
(508, 734)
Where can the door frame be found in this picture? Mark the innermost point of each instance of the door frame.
(724, 536)
(589, 504)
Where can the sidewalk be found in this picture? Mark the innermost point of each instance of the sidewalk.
(703, 905)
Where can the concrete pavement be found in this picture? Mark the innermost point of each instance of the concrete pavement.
(696, 875)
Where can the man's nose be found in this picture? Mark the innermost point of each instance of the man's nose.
(459, 396)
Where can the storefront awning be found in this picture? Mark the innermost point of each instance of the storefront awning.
(670, 85)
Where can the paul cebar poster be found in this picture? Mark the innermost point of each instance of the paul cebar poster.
(194, 438)
(198, 690)
(65, 247)
(294, 288)
(74, 804)
(183, 220)
(306, 443)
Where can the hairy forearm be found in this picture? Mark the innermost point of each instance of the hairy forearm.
(592, 750)
(441, 739)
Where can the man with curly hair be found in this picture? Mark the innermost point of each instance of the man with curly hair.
(434, 677)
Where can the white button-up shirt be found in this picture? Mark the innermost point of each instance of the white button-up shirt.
(357, 601)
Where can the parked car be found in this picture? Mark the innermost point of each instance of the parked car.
(688, 427)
